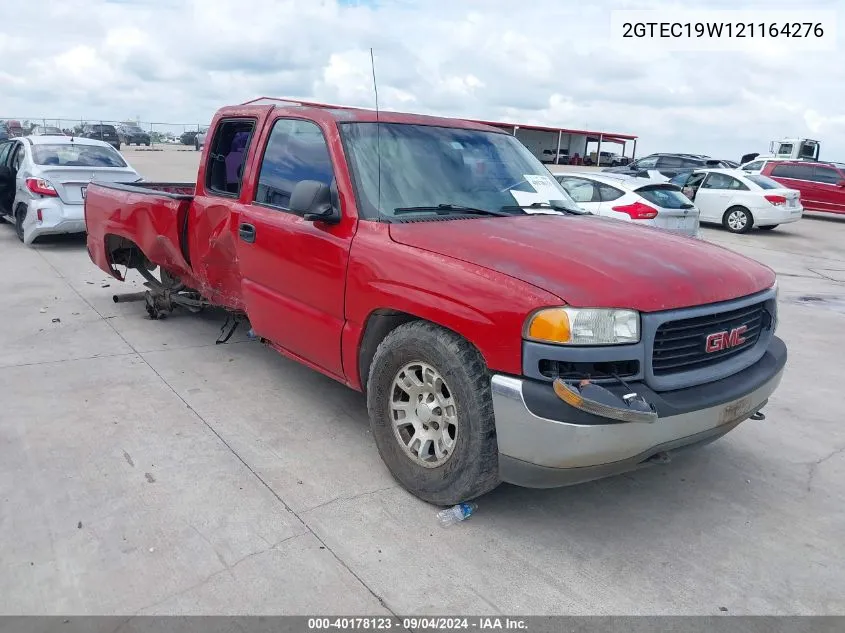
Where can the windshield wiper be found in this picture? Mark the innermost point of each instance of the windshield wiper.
(553, 206)
(450, 209)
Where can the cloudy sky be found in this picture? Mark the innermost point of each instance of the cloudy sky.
(530, 61)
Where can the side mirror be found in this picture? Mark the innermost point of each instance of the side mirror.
(313, 200)
(841, 184)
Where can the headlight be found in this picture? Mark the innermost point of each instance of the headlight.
(583, 326)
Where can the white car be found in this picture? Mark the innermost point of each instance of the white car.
(633, 199)
(738, 200)
(43, 180)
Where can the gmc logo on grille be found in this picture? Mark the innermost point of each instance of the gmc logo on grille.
(719, 341)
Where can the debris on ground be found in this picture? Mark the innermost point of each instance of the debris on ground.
(251, 335)
(57, 320)
(79, 525)
(456, 514)
(43, 310)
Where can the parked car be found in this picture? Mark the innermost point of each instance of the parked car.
(821, 184)
(133, 135)
(46, 130)
(739, 201)
(188, 138)
(666, 166)
(662, 205)
(44, 181)
(102, 132)
(499, 331)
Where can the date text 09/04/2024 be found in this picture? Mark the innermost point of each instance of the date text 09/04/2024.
(722, 29)
(418, 623)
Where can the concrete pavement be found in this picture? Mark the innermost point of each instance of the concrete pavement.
(147, 470)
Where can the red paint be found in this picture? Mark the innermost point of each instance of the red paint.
(719, 341)
(310, 287)
(815, 194)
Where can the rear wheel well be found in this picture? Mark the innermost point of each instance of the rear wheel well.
(379, 324)
(124, 252)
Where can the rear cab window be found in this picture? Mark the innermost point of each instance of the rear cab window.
(229, 149)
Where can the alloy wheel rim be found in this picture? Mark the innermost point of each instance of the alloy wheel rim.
(423, 414)
(737, 220)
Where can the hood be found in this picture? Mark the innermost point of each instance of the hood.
(589, 261)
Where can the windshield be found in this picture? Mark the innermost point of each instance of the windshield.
(764, 182)
(427, 166)
(76, 155)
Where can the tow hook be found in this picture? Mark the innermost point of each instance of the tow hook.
(759, 415)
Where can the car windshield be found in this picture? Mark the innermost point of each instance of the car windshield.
(665, 196)
(764, 182)
(76, 155)
(424, 167)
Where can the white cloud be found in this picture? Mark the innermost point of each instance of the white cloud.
(543, 61)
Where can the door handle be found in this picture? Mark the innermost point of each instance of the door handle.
(247, 232)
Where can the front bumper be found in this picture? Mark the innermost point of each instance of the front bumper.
(544, 442)
(57, 218)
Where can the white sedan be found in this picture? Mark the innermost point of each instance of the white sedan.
(738, 200)
(639, 200)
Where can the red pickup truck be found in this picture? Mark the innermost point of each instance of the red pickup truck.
(500, 332)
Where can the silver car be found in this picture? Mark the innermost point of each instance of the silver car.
(639, 200)
(43, 180)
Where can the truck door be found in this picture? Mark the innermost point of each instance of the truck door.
(294, 271)
(213, 220)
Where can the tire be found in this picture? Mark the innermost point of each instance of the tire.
(733, 222)
(20, 216)
(769, 227)
(470, 466)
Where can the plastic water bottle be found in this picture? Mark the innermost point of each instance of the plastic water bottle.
(456, 514)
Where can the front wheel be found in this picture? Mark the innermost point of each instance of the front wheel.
(738, 220)
(431, 414)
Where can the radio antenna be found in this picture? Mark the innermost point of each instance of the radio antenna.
(378, 134)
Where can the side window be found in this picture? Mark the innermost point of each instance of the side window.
(785, 149)
(735, 184)
(296, 151)
(4, 152)
(826, 174)
(650, 162)
(717, 181)
(16, 156)
(581, 190)
(798, 172)
(689, 162)
(609, 193)
(755, 166)
(669, 162)
(224, 171)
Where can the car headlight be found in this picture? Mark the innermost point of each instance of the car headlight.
(583, 326)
